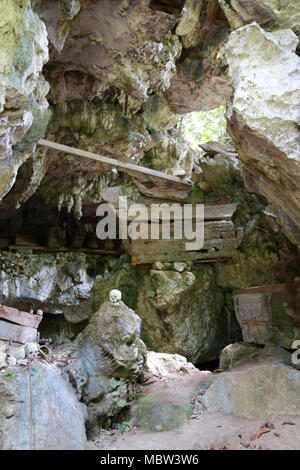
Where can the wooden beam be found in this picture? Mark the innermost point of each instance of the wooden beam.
(211, 213)
(50, 249)
(286, 287)
(110, 161)
(19, 317)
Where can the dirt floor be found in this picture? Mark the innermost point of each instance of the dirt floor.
(167, 397)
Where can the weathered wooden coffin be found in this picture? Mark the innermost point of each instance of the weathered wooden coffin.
(269, 314)
(221, 239)
(21, 318)
(17, 333)
(18, 326)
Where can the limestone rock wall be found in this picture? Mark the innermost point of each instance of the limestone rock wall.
(23, 106)
(181, 307)
(120, 73)
(269, 14)
(264, 116)
(59, 285)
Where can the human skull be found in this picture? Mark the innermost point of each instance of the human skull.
(32, 349)
(115, 296)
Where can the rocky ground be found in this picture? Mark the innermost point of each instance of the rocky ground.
(214, 431)
(162, 404)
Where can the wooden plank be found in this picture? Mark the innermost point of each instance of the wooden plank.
(149, 251)
(19, 317)
(159, 188)
(221, 240)
(212, 211)
(50, 249)
(167, 248)
(219, 212)
(222, 212)
(213, 148)
(179, 245)
(17, 333)
(219, 229)
(110, 161)
(170, 254)
(286, 287)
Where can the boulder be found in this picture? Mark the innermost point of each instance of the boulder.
(162, 364)
(104, 358)
(110, 345)
(58, 418)
(234, 353)
(265, 384)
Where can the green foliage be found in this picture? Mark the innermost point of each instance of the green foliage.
(10, 373)
(204, 126)
(125, 426)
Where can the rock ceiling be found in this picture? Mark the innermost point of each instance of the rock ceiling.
(122, 71)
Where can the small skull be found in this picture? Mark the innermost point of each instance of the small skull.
(115, 296)
(31, 349)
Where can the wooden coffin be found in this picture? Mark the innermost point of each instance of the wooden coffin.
(221, 240)
(17, 333)
(269, 314)
(18, 326)
(21, 318)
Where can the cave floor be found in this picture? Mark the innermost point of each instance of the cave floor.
(212, 431)
(202, 430)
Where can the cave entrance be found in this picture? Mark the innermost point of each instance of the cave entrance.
(200, 127)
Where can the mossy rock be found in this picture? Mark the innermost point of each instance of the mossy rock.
(153, 415)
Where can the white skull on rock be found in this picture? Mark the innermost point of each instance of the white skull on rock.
(31, 349)
(115, 296)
